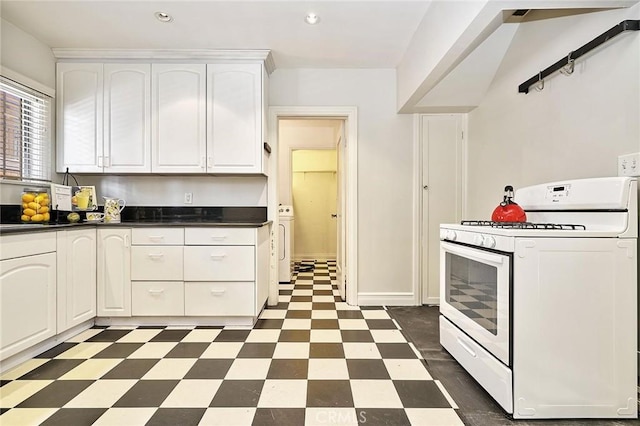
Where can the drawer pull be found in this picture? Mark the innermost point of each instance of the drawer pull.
(218, 237)
(156, 255)
(156, 237)
(217, 292)
(218, 256)
(467, 348)
(155, 292)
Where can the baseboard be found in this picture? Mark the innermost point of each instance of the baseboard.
(431, 301)
(322, 257)
(244, 322)
(386, 299)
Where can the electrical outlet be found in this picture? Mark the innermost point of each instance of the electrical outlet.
(629, 165)
(188, 197)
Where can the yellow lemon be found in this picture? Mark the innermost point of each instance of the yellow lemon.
(43, 210)
(37, 218)
(43, 195)
(46, 217)
(28, 197)
(33, 205)
(25, 205)
(25, 218)
(29, 212)
(44, 202)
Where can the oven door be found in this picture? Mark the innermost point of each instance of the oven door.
(474, 295)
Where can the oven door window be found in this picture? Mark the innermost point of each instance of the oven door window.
(471, 287)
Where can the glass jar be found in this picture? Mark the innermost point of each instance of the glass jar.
(36, 205)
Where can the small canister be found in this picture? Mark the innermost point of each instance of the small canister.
(36, 205)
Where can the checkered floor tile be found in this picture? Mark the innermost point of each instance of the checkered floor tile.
(310, 360)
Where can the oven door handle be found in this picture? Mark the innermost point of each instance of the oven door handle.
(475, 254)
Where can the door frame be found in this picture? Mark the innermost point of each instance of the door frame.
(418, 194)
(350, 117)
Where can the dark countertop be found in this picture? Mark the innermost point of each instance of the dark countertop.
(14, 228)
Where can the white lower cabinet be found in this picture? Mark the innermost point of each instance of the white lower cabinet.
(157, 298)
(219, 298)
(76, 289)
(114, 272)
(27, 300)
(219, 263)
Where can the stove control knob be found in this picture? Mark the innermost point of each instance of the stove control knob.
(443, 234)
(489, 241)
(478, 240)
(451, 235)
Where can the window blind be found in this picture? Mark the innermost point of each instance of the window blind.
(25, 142)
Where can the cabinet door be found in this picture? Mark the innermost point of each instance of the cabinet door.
(234, 122)
(127, 118)
(79, 116)
(114, 272)
(27, 302)
(179, 114)
(76, 277)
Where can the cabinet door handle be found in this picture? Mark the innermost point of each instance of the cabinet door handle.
(218, 256)
(202, 165)
(156, 255)
(155, 292)
(126, 241)
(156, 237)
(100, 162)
(218, 237)
(209, 162)
(107, 163)
(217, 292)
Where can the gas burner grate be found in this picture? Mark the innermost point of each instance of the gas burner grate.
(523, 225)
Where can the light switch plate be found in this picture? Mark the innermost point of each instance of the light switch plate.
(629, 164)
(188, 197)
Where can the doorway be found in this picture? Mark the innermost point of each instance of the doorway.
(344, 143)
(314, 197)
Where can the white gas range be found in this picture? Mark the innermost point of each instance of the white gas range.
(543, 314)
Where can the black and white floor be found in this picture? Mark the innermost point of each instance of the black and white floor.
(310, 360)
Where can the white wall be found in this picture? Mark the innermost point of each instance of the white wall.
(301, 134)
(575, 128)
(384, 164)
(237, 191)
(34, 61)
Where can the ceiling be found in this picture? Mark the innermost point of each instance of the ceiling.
(351, 34)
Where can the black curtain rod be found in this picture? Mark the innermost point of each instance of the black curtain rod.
(628, 25)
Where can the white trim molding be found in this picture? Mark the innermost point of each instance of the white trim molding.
(210, 55)
(350, 115)
(26, 81)
(386, 299)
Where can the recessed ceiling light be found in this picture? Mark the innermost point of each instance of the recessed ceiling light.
(312, 19)
(163, 17)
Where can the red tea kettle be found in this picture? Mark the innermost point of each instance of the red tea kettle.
(508, 210)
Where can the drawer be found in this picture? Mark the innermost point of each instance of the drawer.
(220, 236)
(492, 375)
(151, 298)
(219, 298)
(157, 236)
(219, 263)
(157, 263)
(27, 244)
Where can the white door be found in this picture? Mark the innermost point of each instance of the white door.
(179, 131)
(114, 272)
(76, 277)
(27, 302)
(341, 273)
(442, 155)
(234, 118)
(127, 118)
(79, 102)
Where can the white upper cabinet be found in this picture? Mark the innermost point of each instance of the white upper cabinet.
(161, 118)
(234, 118)
(79, 110)
(179, 118)
(127, 118)
(104, 118)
